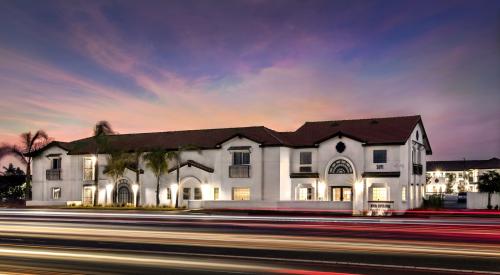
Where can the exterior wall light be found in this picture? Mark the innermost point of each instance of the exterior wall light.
(135, 188)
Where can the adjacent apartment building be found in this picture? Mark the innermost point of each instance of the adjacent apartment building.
(453, 176)
(361, 166)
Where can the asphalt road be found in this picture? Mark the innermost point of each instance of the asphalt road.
(117, 242)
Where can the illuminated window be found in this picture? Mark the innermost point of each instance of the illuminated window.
(56, 193)
(87, 196)
(305, 193)
(403, 193)
(216, 193)
(340, 167)
(88, 169)
(341, 193)
(379, 194)
(241, 194)
(197, 193)
(186, 193)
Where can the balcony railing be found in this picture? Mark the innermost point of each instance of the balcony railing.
(239, 171)
(417, 169)
(53, 174)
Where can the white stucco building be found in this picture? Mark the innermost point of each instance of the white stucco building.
(364, 166)
(459, 175)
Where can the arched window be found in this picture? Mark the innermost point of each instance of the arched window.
(124, 195)
(340, 167)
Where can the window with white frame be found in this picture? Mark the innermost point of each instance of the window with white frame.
(186, 193)
(341, 194)
(169, 193)
(379, 194)
(216, 193)
(241, 194)
(305, 162)
(403, 194)
(241, 158)
(56, 193)
(305, 193)
(197, 193)
(88, 169)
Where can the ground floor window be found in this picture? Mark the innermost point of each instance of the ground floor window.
(403, 194)
(169, 193)
(341, 193)
(305, 194)
(197, 193)
(186, 193)
(87, 196)
(216, 193)
(124, 195)
(379, 194)
(241, 194)
(56, 193)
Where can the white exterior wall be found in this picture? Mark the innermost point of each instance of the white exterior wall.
(269, 182)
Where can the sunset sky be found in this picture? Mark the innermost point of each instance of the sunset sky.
(171, 65)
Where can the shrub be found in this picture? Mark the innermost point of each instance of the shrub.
(434, 201)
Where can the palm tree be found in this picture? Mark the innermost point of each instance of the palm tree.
(135, 159)
(117, 162)
(156, 160)
(29, 144)
(176, 155)
(489, 182)
(101, 130)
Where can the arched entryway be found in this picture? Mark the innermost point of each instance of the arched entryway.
(190, 189)
(124, 193)
(340, 177)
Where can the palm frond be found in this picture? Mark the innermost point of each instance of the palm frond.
(103, 127)
(12, 150)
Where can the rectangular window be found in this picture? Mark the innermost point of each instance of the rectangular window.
(305, 194)
(169, 193)
(379, 156)
(305, 158)
(197, 193)
(88, 169)
(56, 163)
(56, 193)
(241, 194)
(403, 194)
(305, 162)
(186, 193)
(341, 193)
(216, 193)
(87, 196)
(241, 158)
(379, 194)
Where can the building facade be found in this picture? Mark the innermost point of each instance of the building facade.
(365, 166)
(453, 176)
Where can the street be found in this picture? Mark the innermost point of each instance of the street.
(119, 242)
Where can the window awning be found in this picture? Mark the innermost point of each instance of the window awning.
(53, 155)
(381, 174)
(236, 148)
(304, 175)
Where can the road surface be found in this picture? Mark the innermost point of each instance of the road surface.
(118, 242)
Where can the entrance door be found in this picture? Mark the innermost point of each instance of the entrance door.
(124, 196)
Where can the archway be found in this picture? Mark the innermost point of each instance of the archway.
(190, 189)
(124, 193)
(340, 176)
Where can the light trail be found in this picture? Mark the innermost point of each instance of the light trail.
(165, 216)
(245, 241)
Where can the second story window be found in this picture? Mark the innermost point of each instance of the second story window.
(56, 164)
(240, 167)
(305, 162)
(379, 156)
(241, 158)
(88, 169)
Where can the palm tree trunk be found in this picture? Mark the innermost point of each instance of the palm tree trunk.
(96, 180)
(157, 190)
(178, 185)
(489, 200)
(27, 191)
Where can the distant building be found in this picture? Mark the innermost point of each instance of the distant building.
(457, 175)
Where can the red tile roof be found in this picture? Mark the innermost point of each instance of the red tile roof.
(391, 130)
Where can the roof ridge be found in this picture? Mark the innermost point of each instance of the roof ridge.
(359, 119)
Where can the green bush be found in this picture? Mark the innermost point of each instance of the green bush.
(434, 202)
